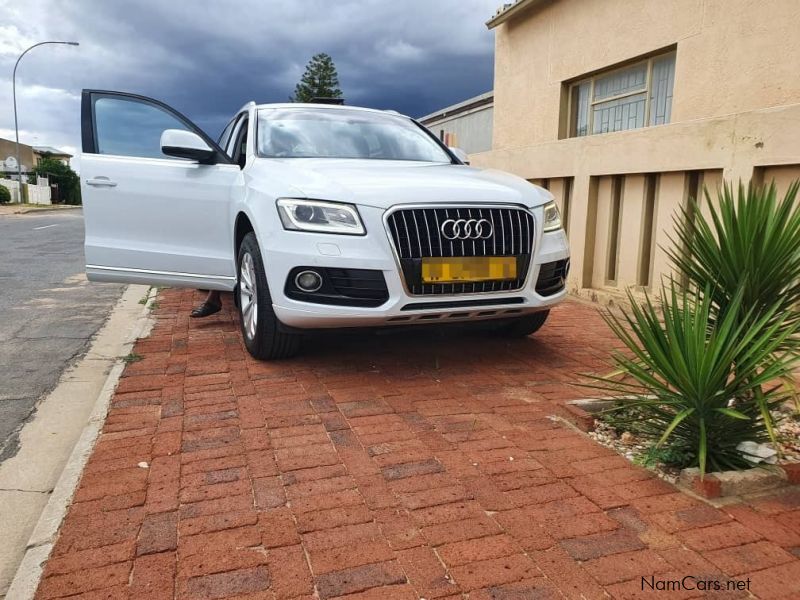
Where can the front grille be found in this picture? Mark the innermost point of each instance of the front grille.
(416, 234)
(552, 277)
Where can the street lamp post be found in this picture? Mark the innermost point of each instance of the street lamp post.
(14, 93)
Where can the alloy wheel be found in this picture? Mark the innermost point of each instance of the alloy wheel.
(248, 296)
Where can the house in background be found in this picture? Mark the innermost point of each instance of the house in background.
(29, 157)
(42, 191)
(466, 125)
(624, 109)
(50, 152)
(8, 158)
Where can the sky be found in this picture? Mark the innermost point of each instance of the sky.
(207, 58)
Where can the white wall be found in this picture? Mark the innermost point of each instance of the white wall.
(37, 194)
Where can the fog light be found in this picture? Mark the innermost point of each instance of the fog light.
(308, 281)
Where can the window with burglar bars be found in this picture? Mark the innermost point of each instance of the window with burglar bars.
(626, 98)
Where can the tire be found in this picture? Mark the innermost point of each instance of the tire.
(524, 326)
(260, 327)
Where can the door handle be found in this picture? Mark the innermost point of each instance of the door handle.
(101, 182)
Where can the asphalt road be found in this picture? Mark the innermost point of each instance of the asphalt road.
(48, 311)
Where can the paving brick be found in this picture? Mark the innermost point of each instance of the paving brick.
(749, 557)
(718, 536)
(426, 572)
(332, 517)
(81, 582)
(278, 528)
(412, 469)
(290, 575)
(601, 544)
(358, 579)
(580, 525)
(343, 498)
(239, 537)
(773, 529)
(689, 518)
(336, 537)
(224, 585)
(362, 552)
(217, 522)
(572, 580)
(385, 592)
(626, 565)
(91, 558)
(268, 492)
(153, 577)
(464, 552)
(444, 513)
(455, 531)
(399, 528)
(159, 533)
(782, 581)
(495, 571)
(221, 559)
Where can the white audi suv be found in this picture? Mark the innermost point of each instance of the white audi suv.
(316, 216)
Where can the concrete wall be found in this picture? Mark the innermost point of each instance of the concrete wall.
(34, 194)
(735, 115)
(472, 130)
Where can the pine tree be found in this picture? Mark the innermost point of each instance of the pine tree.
(319, 81)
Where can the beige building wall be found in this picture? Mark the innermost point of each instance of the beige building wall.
(735, 115)
(9, 148)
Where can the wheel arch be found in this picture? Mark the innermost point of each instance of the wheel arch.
(241, 228)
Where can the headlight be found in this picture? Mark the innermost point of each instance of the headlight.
(552, 217)
(315, 215)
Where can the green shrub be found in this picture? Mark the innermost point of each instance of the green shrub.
(696, 379)
(748, 243)
(5, 194)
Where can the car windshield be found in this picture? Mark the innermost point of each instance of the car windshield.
(337, 133)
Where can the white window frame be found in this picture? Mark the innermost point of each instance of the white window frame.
(647, 90)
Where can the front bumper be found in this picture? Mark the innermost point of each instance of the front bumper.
(285, 250)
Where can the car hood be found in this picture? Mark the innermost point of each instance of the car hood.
(382, 184)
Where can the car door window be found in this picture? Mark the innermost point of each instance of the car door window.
(225, 136)
(240, 148)
(129, 127)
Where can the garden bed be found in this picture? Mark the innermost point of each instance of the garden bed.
(608, 432)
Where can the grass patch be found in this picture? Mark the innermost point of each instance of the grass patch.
(132, 357)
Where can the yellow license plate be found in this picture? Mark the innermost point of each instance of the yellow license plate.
(469, 268)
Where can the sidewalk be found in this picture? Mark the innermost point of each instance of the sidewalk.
(387, 466)
(23, 209)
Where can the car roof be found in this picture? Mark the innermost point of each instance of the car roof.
(317, 106)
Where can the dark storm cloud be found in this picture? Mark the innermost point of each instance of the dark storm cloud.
(208, 58)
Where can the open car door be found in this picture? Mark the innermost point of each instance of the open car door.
(157, 205)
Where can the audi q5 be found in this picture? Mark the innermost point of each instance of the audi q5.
(316, 216)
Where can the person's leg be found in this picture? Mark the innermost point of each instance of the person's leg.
(212, 304)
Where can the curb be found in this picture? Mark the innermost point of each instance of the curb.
(27, 211)
(37, 551)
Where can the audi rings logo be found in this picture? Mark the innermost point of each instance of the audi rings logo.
(466, 229)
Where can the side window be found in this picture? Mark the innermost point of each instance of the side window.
(130, 127)
(239, 151)
(225, 136)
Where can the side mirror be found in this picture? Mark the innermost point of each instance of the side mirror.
(460, 155)
(186, 144)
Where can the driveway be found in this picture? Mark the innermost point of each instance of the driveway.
(49, 311)
(388, 466)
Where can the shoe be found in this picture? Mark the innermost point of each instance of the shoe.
(205, 309)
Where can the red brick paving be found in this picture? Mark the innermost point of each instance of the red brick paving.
(387, 466)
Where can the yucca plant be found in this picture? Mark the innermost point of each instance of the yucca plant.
(748, 244)
(691, 374)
